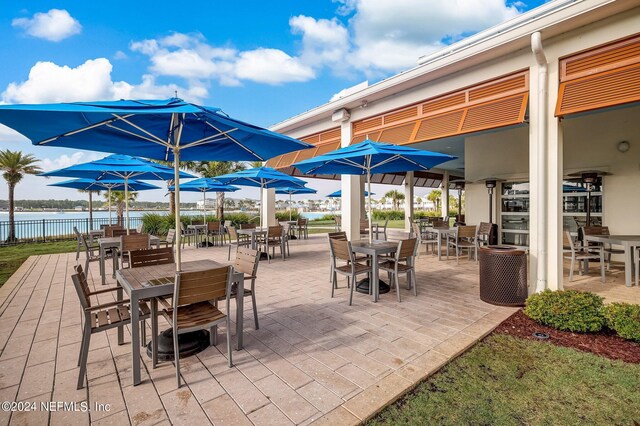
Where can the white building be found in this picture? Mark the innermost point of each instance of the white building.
(209, 203)
(552, 92)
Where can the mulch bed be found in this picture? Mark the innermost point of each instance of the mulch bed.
(604, 343)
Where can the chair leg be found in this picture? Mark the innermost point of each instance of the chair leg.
(414, 282)
(602, 266)
(213, 336)
(351, 290)
(81, 346)
(154, 332)
(229, 255)
(86, 265)
(255, 308)
(229, 341)
(143, 333)
(573, 261)
(176, 351)
(397, 279)
(84, 354)
(77, 250)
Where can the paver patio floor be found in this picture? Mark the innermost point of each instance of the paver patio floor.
(314, 358)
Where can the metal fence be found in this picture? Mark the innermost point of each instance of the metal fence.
(42, 230)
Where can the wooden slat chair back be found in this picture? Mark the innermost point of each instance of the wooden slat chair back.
(197, 222)
(426, 238)
(440, 223)
(247, 226)
(364, 226)
(303, 230)
(108, 230)
(467, 231)
(246, 262)
(215, 230)
(129, 243)
(340, 249)
(194, 307)
(338, 220)
(237, 240)
(340, 235)
(90, 252)
(140, 228)
(151, 257)
(274, 239)
(170, 239)
(103, 317)
(120, 232)
(403, 263)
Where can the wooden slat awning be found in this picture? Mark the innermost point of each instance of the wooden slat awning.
(601, 77)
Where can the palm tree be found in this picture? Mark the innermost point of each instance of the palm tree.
(434, 196)
(211, 169)
(14, 165)
(90, 204)
(117, 198)
(185, 165)
(419, 202)
(396, 196)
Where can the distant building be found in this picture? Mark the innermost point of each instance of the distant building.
(78, 208)
(210, 203)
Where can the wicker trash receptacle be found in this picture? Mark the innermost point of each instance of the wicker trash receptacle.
(503, 275)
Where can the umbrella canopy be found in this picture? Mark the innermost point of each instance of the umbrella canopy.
(338, 194)
(119, 166)
(294, 191)
(369, 157)
(161, 129)
(108, 184)
(205, 185)
(263, 178)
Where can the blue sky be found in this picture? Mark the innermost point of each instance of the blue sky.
(260, 61)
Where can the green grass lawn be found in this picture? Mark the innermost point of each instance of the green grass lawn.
(11, 257)
(509, 381)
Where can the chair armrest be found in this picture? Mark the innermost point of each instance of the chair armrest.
(106, 290)
(106, 305)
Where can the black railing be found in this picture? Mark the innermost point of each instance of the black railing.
(42, 230)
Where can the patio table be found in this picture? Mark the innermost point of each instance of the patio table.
(201, 231)
(136, 282)
(94, 234)
(374, 249)
(253, 233)
(114, 243)
(629, 242)
(442, 232)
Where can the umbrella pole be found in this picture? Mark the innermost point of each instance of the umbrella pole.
(176, 171)
(126, 199)
(204, 207)
(369, 198)
(289, 207)
(261, 206)
(109, 200)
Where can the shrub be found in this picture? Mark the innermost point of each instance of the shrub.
(237, 218)
(388, 214)
(154, 223)
(624, 319)
(430, 213)
(567, 310)
(283, 215)
(330, 217)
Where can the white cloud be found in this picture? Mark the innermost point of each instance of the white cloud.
(119, 55)
(48, 164)
(49, 82)
(55, 25)
(271, 66)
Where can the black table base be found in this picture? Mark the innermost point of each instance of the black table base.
(363, 286)
(189, 344)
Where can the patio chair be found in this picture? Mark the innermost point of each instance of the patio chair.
(247, 226)
(108, 230)
(341, 235)
(103, 317)
(483, 234)
(464, 239)
(150, 257)
(140, 228)
(341, 250)
(129, 243)
(246, 262)
(186, 233)
(303, 228)
(287, 231)
(426, 238)
(79, 242)
(193, 309)
(364, 227)
(574, 252)
(120, 232)
(170, 239)
(273, 239)
(241, 240)
(608, 248)
(92, 253)
(383, 230)
(225, 230)
(403, 263)
(215, 230)
(338, 223)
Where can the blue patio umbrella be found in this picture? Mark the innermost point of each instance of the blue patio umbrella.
(294, 191)
(108, 184)
(338, 194)
(205, 185)
(118, 166)
(369, 157)
(168, 130)
(263, 178)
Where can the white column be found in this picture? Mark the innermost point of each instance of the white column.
(536, 191)
(555, 171)
(269, 208)
(408, 200)
(351, 192)
(445, 194)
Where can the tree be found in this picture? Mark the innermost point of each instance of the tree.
(185, 165)
(14, 165)
(396, 196)
(211, 169)
(419, 202)
(90, 204)
(434, 196)
(117, 198)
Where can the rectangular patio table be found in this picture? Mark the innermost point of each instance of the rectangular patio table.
(629, 242)
(442, 232)
(253, 233)
(136, 283)
(114, 243)
(374, 249)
